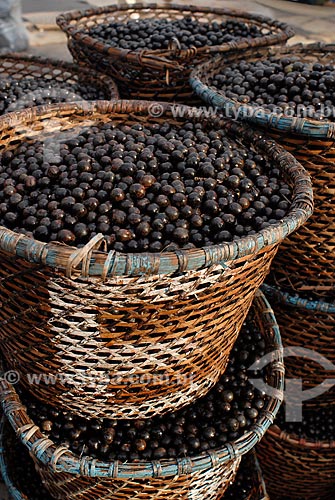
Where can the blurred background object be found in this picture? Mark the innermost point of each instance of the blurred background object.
(13, 35)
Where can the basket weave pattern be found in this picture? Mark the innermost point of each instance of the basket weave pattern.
(302, 468)
(157, 74)
(309, 325)
(306, 259)
(57, 73)
(171, 317)
(162, 349)
(205, 476)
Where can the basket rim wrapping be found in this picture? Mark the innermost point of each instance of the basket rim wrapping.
(296, 301)
(60, 459)
(265, 118)
(97, 263)
(294, 440)
(162, 58)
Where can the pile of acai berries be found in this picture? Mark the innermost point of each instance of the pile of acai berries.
(17, 94)
(155, 34)
(146, 187)
(286, 86)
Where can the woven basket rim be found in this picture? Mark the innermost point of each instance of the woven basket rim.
(161, 57)
(18, 495)
(277, 433)
(64, 257)
(296, 125)
(60, 459)
(296, 301)
(82, 71)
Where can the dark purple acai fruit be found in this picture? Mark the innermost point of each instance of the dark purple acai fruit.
(316, 425)
(284, 85)
(16, 94)
(145, 187)
(159, 33)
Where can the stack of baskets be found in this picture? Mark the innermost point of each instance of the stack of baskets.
(204, 476)
(302, 280)
(192, 297)
(174, 316)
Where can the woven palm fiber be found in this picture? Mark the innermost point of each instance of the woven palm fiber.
(125, 335)
(297, 468)
(206, 476)
(158, 74)
(21, 487)
(18, 67)
(306, 260)
(309, 325)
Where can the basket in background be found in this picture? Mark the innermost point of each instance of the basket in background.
(297, 468)
(67, 82)
(305, 262)
(310, 325)
(158, 74)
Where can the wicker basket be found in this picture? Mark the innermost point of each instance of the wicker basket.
(157, 74)
(160, 327)
(307, 325)
(26, 487)
(68, 80)
(306, 260)
(12, 452)
(297, 469)
(205, 476)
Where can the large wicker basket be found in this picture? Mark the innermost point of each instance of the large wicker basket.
(307, 325)
(67, 81)
(125, 335)
(205, 476)
(28, 486)
(306, 260)
(157, 74)
(297, 468)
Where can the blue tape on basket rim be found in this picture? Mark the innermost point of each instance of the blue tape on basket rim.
(296, 301)
(68, 463)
